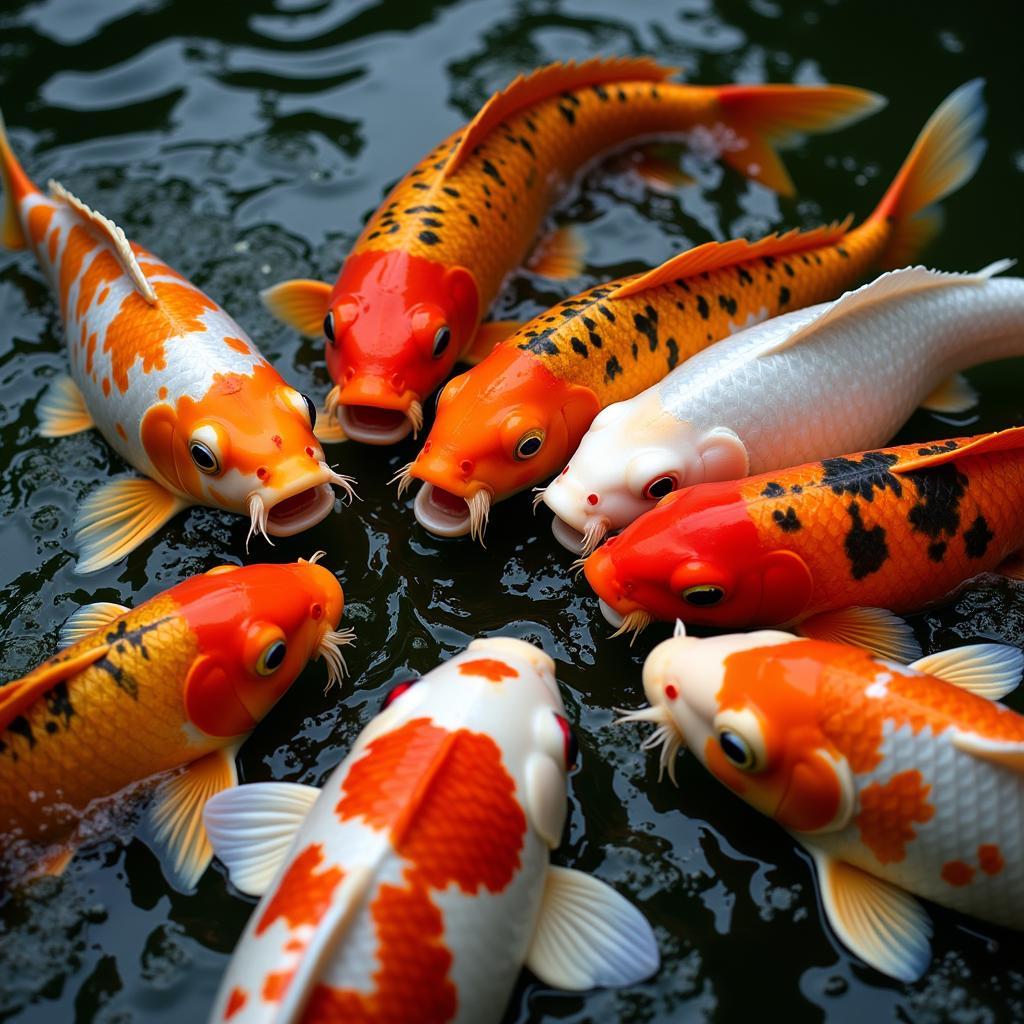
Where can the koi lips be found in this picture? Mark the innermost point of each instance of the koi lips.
(273, 514)
(372, 423)
(449, 515)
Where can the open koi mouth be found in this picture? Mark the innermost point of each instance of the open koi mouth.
(370, 425)
(634, 622)
(584, 543)
(300, 511)
(449, 515)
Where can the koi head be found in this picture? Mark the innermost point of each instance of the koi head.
(747, 705)
(698, 557)
(634, 454)
(502, 689)
(504, 425)
(257, 627)
(395, 325)
(247, 445)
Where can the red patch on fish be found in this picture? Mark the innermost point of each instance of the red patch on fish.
(957, 873)
(275, 985)
(236, 1001)
(303, 894)
(888, 813)
(488, 668)
(990, 859)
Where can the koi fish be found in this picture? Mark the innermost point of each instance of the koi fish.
(175, 386)
(759, 400)
(898, 781)
(832, 548)
(411, 295)
(515, 418)
(176, 683)
(417, 882)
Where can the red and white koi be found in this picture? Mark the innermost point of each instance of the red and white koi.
(897, 780)
(171, 381)
(416, 883)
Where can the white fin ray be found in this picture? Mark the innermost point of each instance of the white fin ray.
(62, 410)
(954, 395)
(87, 620)
(987, 670)
(114, 235)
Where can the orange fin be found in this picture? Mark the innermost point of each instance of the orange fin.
(559, 255)
(765, 117)
(986, 670)
(114, 236)
(87, 620)
(883, 925)
(875, 629)
(177, 813)
(953, 395)
(16, 186)
(301, 304)
(17, 697)
(1002, 752)
(328, 429)
(62, 409)
(1013, 567)
(660, 173)
(944, 158)
(716, 255)
(998, 441)
(488, 334)
(115, 519)
(526, 90)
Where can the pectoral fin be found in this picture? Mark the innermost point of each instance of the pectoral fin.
(252, 827)
(487, 336)
(62, 410)
(177, 813)
(875, 629)
(588, 935)
(1007, 753)
(883, 925)
(658, 170)
(954, 394)
(301, 304)
(559, 255)
(988, 670)
(86, 620)
(115, 519)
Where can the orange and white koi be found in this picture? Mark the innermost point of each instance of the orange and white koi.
(409, 300)
(516, 418)
(176, 683)
(171, 381)
(416, 883)
(832, 548)
(897, 780)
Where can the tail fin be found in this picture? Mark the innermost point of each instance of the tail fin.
(16, 185)
(769, 116)
(945, 156)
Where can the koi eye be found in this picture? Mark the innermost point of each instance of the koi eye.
(396, 691)
(311, 409)
(441, 340)
(570, 748)
(660, 486)
(737, 750)
(204, 458)
(528, 445)
(704, 595)
(329, 327)
(272, 658)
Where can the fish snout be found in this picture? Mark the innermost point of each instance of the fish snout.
(580, 523)
(377, 408)
(295, 493)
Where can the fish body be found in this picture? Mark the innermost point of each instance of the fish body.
(418, 880)
(898, 780)
(180, 680)
(896, 528)
(410, 298)
(171, 381)
(516, 417)
(763, 399)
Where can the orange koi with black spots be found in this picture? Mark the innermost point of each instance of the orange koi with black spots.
(176, 683)
(413, 291)
(897, 780)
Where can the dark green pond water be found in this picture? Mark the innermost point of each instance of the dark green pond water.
(245, 143)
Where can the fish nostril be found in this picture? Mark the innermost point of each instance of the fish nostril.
(310, 452)
(350, 372)
(263, 472)
(592, 499)
(316, 612)
(628, 586)
(466, 467)
(398, 382)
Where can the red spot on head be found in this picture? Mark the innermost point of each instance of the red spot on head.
(957, 873)
(302, 895)
(236, 1001)
(262, 472)
(310, 452)
(488, 668)
(277, 440)
(671, 692)
(592, 499)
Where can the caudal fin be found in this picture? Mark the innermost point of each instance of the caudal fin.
(766, 117)
(945, 157)
(16, 185)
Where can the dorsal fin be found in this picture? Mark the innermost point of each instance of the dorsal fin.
(525, 90)
(889, 285)
(998, 441)
(716, 255)
(17, 697)
(114, 235)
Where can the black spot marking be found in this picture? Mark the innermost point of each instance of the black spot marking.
(939, 491)
(51, 727)
(373, 234)
(58, 703)
(606, 313)
(622, 95)
(769, 261)
(842, 252)
(796, 489)
(473, 220)
(635, 349)
(602, 93)
(647, 324)
(489, 169)
(430, 208)
(526, 144)
(579, 348)
(784, 295)
(567, 112)
(530, 124)
(420, 186)
(977, 538)
(938, 449)
(541, 345)
(788, 521)
(863, 478)
(20, 727)
(448, 190)
(773, 490)
(744, 276)
(937, 551)
(702, 307)
(789, 270)
(571, 98)
(612, 368)
(865, 548)
(429, 237)
(431, 222)
(728, 304)
(673, 353)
